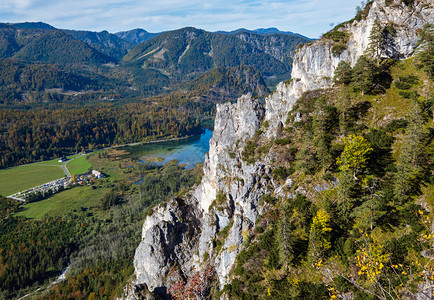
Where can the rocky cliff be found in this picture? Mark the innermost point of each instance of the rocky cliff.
(188, 233)
(314, 63)
(210, 226)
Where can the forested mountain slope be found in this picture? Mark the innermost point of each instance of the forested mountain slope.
(136, 36)
(105, 42)
(42, 44)
(326, 191)
(190, 51)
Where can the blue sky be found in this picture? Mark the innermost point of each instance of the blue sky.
(308, 17)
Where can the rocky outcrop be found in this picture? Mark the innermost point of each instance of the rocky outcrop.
(179, 233)
(169, 238)
(210, 226)
(314, 63)
(234, 124)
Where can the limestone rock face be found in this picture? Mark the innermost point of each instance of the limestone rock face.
(225, 173)
(209, 226)
(234, 124)
(169, 237)
(314, 63)
(182, 231)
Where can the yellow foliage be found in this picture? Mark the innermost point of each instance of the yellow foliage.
(355, 154)
(320, 234)
(322, 221)
(371, 259)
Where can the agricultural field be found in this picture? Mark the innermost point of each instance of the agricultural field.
(80, 198)
(78, 165)
(85, 199)
(16, 179)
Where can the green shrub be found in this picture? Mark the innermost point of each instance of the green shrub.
(336, 36)
(220, 201)
(409, 94)
(249, 150)
(283, 141)
(312, 291)
(342, 284)
(408, 2)
(328, 177)
(395, 125)
(338, 48)
(280, 173)
(402, 85)
(268, 199)
(406, 82)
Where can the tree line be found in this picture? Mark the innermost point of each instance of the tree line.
(40, 134)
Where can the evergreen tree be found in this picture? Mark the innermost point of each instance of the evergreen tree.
(349, 190)
(325, 119)
(412, 159)
(343, 73)
(307, 156)
(363, 75)
(344, 106)
(426, 55)
(372, 209)
(376, 42)
(285, 233)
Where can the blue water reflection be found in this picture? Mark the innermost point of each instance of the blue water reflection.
(188, 152)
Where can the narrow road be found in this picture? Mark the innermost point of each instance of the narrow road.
(19, 199)
(65, 169)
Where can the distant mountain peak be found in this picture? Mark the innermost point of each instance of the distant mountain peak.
(263, 31)
(136, 36)
(32, 25)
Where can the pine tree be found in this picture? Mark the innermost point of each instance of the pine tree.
(285, 233)
(325, 119)
(307, 156)
(343, 73)
(376, 42)
(412, 159)
(426, 55)
(363, 75)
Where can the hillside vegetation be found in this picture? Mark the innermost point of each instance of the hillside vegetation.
(189, 51)
(357, 160)
(93, 229)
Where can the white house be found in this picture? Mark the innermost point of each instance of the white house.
(97, 174)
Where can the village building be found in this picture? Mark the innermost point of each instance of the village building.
(97, 174)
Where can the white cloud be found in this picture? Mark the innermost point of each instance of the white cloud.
(310, 18)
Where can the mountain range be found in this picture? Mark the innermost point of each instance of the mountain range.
(137, 63)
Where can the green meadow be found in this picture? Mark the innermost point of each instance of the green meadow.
(16, 179)
(79, 165)
(79, 198)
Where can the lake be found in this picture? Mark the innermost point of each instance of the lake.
(188, 152)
